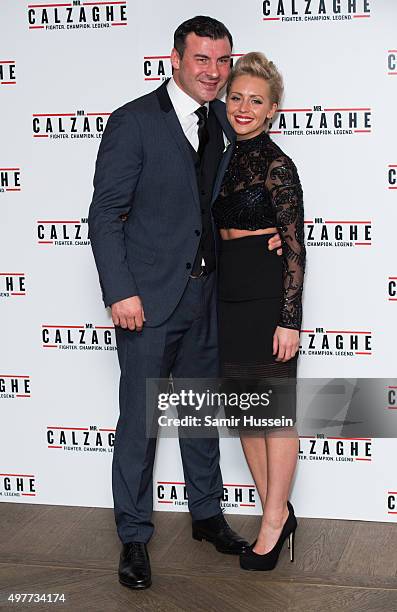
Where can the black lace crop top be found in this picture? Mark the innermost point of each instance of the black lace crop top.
(261, 189)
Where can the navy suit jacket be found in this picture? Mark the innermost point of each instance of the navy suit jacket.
(145, 170)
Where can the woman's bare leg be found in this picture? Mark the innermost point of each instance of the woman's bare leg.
(282, 454)
(255, 454)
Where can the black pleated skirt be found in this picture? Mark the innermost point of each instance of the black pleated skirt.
(250, 292)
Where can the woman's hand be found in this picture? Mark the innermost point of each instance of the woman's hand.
(275, 243)
(285, 343)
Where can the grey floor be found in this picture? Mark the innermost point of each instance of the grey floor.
(343, 565)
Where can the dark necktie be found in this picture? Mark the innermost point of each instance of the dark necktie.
(203, 135)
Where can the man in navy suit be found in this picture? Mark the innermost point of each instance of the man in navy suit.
(159, 168)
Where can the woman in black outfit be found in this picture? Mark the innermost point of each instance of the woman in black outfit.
(260, 293)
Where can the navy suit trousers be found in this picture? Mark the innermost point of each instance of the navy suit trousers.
(185, 345)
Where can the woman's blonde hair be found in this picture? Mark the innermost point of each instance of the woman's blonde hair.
(256, 64)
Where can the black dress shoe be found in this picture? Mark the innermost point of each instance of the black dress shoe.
(134, 566)
(217, 531)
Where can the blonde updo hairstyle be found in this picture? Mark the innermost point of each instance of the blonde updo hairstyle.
(256, 64)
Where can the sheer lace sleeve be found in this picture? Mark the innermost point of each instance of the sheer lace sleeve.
(285, 190)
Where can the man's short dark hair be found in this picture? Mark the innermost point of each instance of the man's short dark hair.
(201, 26)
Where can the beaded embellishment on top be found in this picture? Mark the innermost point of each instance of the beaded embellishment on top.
(261, 189)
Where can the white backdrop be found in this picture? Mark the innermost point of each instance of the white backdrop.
(63, 69)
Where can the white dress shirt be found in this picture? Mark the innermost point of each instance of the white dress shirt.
(185, 108)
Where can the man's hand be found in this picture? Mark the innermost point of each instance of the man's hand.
(129, 313)
(285, 343)
(275, 243)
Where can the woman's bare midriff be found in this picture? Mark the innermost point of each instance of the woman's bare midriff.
(231, 234)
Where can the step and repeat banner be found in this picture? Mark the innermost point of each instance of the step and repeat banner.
(64, 67)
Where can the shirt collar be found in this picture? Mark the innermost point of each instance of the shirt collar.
(183, 104)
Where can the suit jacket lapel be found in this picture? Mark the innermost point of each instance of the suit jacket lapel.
(220, 112)
(177, 133)
(226, 157)
(219, 109)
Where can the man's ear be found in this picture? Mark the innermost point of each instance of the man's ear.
(175, 59)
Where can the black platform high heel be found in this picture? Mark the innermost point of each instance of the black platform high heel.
(249, 560)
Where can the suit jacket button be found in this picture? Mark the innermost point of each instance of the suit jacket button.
(197, 232)
(188, 266)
